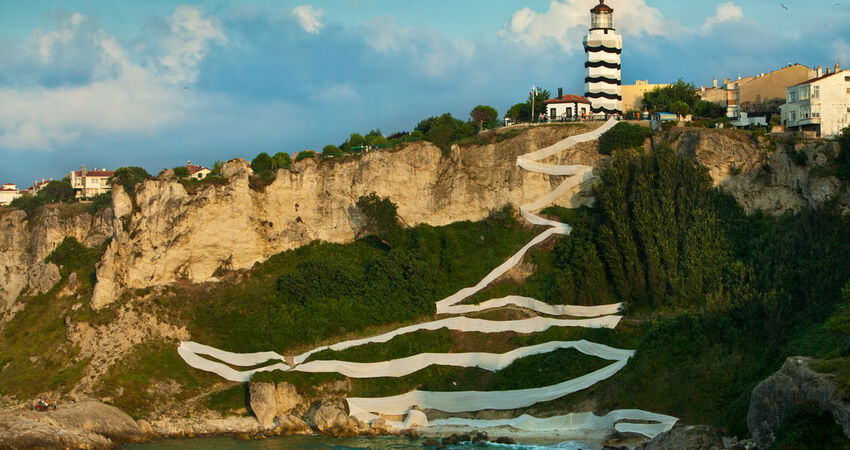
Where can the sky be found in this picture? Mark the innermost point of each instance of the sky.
(156, 83)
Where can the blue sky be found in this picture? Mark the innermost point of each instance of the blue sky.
(156, 83)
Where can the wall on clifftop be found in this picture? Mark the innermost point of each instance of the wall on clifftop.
(168, 234)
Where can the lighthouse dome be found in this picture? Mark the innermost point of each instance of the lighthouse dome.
(602, 7)
(602, 17)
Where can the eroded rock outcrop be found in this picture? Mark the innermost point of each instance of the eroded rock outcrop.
(762, 175)
(171, 234)
(795, 384)
(87, 424)
(263, 402)
(24, 244)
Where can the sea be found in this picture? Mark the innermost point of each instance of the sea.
(322, 442)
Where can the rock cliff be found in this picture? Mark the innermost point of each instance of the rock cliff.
(795, 384)
(24, 244)
(763, 174)
(167, 233)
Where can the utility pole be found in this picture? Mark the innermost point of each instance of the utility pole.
(533, 94)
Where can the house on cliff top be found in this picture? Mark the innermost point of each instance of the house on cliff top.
(820, 106)
(88, 183)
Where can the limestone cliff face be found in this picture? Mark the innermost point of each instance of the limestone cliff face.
(23, 247)
(168, 234)
(760, 176)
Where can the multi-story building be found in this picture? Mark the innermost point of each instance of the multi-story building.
(761, 94)
(820, 105)
(88, 183)
(8, 192)
(603, 46)
(633, 94)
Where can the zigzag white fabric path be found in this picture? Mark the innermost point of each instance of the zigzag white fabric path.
(368, 408)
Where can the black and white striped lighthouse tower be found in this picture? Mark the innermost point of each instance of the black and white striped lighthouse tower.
(602, 70)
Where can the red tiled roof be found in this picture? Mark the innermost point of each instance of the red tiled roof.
(3, 189)
(193, 169)
(569, 98)
(95, 173)
(820, 78)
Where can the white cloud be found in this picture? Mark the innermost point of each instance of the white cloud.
(123, 97)
(432, 54)
(188, 43)
(726, 12)
(46, 41)
(567, 20)
(337, 92)
(309, 17)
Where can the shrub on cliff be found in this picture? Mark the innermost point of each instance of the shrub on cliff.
(305, 155)
(262, 163)
(53, 192)
(380, 216)
(623, 136)
(129, 177)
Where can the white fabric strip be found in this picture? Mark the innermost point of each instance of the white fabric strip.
(603, 316)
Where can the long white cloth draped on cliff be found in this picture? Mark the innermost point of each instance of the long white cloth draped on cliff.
(366, 409)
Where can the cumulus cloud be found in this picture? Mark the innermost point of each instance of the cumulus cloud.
(726, 12)
(309, 17)
(188, 43)
(122, 96)
(567, 20)
(46, 41)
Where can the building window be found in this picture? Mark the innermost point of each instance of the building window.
(846, 78)
(804, 93)
(793, 116)
(816, 92)
(792, 96)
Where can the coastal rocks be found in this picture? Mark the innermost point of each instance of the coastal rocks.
(698, 437)
(87, 424)
(329, 418)
(793, 385)
(263, 402)
(287, 398)
(199, 425)
(172, 234)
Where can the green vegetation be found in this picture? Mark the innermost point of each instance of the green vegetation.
(842, 162)
(380, 216)
(623, 136)
(153, 375)
(810, 427)
(129, 177)
(39, 330)
(53, 192)
(262, 163)
(304, 155)
(445, 130)
(349, 288)
(482, 114)
(681, 98)
(522, 112)
(181, 171)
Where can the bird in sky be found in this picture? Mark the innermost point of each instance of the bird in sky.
(783, 5)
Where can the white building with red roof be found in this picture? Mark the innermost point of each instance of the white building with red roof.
(568, 107)
(88, 183)
(8, 192)
(820, 105)
(197, 172)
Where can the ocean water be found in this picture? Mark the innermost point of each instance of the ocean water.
(321, 442)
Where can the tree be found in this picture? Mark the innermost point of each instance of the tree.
(375, 138)
(445, 130)
(281, 160)
(217, 166)
(679, 108)
(380, 215)
(538, 105)
(262, 163)
(662, 99)
(304, 155)
(482, 114)
(331, 151)
(520, 112)
(129, 177)
(622, 136)
(57, 191)
(181, 171)
(354, 140)
(710, 110)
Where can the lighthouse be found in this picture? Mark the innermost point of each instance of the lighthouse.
(602, 70)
